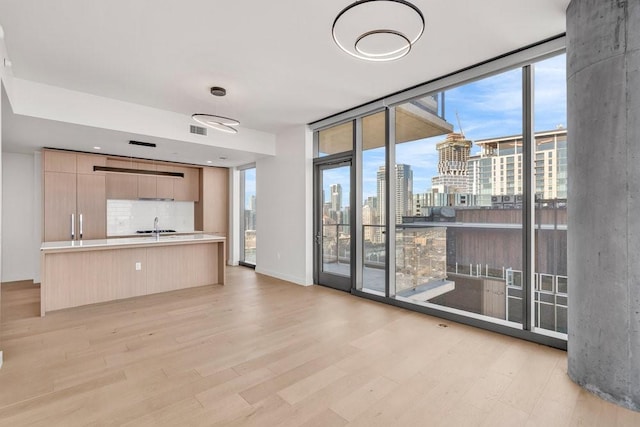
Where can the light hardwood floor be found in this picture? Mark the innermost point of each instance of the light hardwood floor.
(262, 352)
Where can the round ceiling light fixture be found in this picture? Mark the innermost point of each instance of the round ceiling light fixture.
(378, 30)
(218, 91)
(215, 121)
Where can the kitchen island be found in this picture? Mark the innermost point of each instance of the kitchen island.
(76, 273)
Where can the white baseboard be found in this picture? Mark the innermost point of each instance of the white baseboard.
(286, 277)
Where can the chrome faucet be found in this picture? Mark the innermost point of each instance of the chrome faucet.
(155, 226)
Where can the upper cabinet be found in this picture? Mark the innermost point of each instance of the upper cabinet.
(120, 185)
(147, 183)
(187, 188)
(75, 196)
(132, 187)
(165, 185)
(59, 161)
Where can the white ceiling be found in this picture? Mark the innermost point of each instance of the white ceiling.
(276, 58)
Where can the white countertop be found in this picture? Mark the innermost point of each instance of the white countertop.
(128, 241)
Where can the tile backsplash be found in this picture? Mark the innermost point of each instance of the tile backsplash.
(127, 216)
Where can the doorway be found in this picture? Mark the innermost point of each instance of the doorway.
(334, 247)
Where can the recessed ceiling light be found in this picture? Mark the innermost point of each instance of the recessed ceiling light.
(209, 161)
(97, 148)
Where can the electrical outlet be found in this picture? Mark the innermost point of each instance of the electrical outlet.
(138, 266)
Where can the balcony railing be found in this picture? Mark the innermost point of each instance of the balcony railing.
(336, 243)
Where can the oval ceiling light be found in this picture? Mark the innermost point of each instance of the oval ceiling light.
(378, 30)
(213, 121)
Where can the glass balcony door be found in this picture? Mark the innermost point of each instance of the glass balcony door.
(333, 228)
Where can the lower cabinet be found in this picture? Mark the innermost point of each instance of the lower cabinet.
(86, 275)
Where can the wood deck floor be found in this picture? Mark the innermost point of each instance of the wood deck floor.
(262, 352)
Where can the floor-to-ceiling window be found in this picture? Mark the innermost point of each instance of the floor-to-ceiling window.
(550, 186)
(373, 202)
(333, 226)
(458, 180)
(463, 193)
(248, 216)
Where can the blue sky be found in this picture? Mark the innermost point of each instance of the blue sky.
(249, 186)
(488, 108)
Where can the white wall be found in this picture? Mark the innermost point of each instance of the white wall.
(54, 103)
(19, 257)
(5, 84)
(284, 219)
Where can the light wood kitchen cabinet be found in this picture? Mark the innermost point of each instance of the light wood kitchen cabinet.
(212, 211)
(86, 162)
(146, 183)
(134, 187)
(156, 187)
(164, 185)
(120, 185)
(187, 188)
(59, 161)
(74, 203)
(75, 275)
(91, 200)
(59, 206)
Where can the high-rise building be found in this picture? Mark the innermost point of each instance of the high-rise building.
(336, 197)
(497, 170)
(346, 215)
(369, 220)
(453, 155)
(372, 201)
(404, 192)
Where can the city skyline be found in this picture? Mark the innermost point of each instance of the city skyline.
(480, 183)
(488, 108)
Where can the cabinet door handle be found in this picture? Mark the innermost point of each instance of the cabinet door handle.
(73, 226)
(80, 226)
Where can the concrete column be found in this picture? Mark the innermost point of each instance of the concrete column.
(603, 82)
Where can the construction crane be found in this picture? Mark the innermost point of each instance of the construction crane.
(459, 125)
